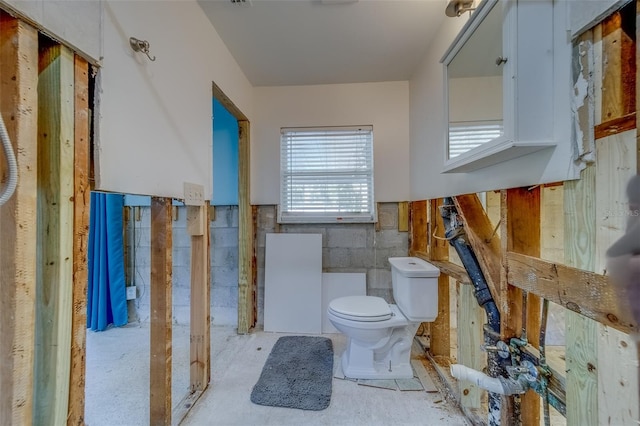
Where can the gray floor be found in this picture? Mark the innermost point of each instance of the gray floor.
(117, 390)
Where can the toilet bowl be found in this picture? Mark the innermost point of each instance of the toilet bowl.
(380, 334)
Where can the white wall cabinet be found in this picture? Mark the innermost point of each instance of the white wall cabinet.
(499, 84)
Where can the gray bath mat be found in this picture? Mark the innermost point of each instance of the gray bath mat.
(297, 374)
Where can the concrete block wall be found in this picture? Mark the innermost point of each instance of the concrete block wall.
(224, 265)
(345, 248)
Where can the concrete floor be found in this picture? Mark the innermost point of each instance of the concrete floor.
(117, 386)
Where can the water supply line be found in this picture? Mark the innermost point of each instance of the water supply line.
(455, 234)
(12, 181)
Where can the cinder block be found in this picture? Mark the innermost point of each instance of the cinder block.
(392, 239)
(224, 256)
(181, 276)
(337, 258)
(266, 217)
(346, 237)
(387, 295)
(181, 256)
(224, 237)
(225, 276)
(379, 279)
(361, 258)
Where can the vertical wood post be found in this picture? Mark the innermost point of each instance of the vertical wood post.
(439, 249)
(522, 220)
(198, 227)
(18, 106)
(160, 335)
(246, 289)
(82, 196)
(54, 284)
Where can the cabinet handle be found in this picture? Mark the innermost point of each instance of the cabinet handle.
(500, 60)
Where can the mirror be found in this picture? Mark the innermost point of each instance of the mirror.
(475, 87)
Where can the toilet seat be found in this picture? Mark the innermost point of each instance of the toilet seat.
(361, 308)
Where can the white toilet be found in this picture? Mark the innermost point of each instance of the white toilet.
(381, 334)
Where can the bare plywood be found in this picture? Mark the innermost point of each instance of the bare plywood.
(18, 106)
(617, 389)
(81, 200)
(403, 216)
(54, 284)
(160, 333)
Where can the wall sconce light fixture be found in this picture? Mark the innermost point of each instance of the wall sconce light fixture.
(456, 8)
(141, 46)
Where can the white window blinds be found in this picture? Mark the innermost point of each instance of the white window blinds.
(326, 174)
(466, 136)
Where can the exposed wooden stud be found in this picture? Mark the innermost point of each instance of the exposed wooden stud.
(454, 271)
(212, 213)
(54, 291)
(403, 216)
(160, 299)
(228, 104)
(377, 225)
(418, 237)
(615, 126)
(485, 243)
(200, 320)
(581, 333)
(619, 64)
(18, 106)
(523, 236)
(246, 290)
(441, 327)
(471, 319)
(82, 197)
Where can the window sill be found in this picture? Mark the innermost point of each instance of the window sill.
(493, 153)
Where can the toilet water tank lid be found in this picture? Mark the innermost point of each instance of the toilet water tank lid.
(361, 307)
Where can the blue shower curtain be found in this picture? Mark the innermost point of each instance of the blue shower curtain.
(107, 298)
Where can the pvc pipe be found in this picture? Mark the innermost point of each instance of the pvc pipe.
(11, 162)
(498, 385)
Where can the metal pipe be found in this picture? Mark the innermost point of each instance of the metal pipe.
(456, 236)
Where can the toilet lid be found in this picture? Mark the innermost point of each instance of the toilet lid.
(361, 308)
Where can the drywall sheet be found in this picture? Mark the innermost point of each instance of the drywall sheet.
(293, 283)
(336, 285)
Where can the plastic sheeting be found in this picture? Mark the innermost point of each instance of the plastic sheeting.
(106, 298)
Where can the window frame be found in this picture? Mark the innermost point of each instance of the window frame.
(286, 216)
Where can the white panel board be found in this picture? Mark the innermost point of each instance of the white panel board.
(293, 283)
(336, 285)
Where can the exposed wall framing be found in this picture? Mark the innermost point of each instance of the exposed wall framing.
(552, 245)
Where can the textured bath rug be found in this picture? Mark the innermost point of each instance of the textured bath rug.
(297, 374)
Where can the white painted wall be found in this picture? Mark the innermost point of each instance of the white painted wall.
(76, 22)
(155, 129)
(428, 128)
(383, 105)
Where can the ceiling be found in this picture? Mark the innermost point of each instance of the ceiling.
(306, 42)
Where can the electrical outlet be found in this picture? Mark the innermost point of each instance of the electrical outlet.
(193, 194)
(131, 292)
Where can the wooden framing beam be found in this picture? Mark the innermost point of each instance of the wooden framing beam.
(81, 199)
(403, 216)
(54, 284)
(484, 241)
(419, 233)
(439, 250)
(200, 324)
(246, 286)
(522, 222)
(160, 334)
(18, 106)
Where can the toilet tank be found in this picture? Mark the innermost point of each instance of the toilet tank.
(415, 288)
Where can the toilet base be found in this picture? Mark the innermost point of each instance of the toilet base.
(377, 371)
(391, 360)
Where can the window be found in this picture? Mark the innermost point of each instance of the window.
(326, 175)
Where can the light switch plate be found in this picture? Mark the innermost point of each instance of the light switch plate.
(131, 292)
(193, 194)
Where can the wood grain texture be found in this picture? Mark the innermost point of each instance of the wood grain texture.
(18, 106)
(81, 200)
(246, 288)
(403, 216)
(419, 234)
(471, 318)
(441, 327)
(54, 284)
(200, 310)
(161, 312)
